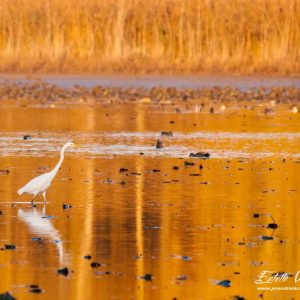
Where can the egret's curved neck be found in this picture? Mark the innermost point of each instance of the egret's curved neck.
(62, 156)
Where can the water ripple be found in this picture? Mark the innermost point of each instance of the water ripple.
(109, 144)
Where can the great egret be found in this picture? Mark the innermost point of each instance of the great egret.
(40, 184)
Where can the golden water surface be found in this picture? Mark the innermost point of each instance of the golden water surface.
(189, 228)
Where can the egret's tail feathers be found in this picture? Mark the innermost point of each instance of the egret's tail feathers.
(20, 191)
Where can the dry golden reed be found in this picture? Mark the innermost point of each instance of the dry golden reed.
(92, 36)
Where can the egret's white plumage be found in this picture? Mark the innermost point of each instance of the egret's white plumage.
(40, 184)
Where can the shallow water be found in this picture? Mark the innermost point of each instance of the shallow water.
(193, 82)
(150, 219)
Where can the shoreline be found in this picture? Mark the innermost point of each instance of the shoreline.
(47, 92)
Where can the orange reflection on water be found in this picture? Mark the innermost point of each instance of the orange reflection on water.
(171, 224)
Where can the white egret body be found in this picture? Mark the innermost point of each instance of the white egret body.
(40, 184)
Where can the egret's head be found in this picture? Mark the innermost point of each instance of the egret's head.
(69, 144)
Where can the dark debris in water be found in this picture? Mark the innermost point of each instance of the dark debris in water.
(200, 155)
(66, 206)
(159, 144)
(188, 163)
(95, 264)
(36, 290)
(166, 133)
(272, 226)
(237, 297)
(7, 296)
(9, 247)
(224, 283)
(266, 238)
(64, 271)
(147, 277)
(87, 257)
(27, 137)
(34, 286)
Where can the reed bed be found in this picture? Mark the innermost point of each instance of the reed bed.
(178, 36)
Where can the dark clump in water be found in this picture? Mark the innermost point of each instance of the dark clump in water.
(166, 133)
(147, 277)
(7, 296)
(225, 283)
(159, 144)
(87, 257)
(66, 206)
(187, 163)
(63, 271)
(9, 247)
(200, 155)
(34, 286)
(266, 238)
(238, 298)
(36, 290)
(95, 264)
(27, 137)
(272, 226)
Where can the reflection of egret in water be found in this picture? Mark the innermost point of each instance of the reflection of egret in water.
(39, 223)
